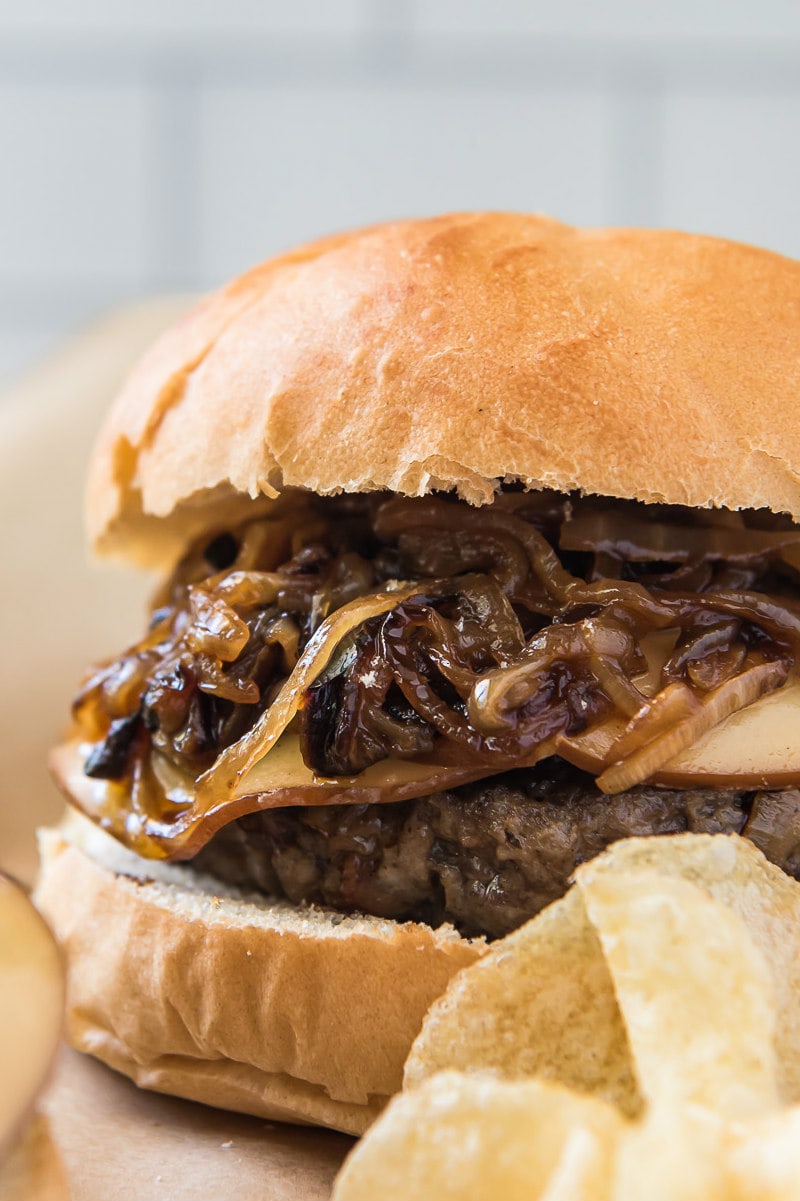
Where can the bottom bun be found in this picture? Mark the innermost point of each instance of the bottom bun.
(194, 989)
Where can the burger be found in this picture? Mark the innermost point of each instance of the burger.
(478, 552)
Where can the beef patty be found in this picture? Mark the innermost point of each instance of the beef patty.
(486, 856)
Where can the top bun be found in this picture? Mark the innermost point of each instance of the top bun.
(455, 352)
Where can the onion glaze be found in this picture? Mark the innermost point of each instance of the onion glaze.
(378, 627)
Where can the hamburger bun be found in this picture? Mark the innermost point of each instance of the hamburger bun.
(194, 989)
(443, 355)
(456, 352)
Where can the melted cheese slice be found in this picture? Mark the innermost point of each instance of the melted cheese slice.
(758, 747)
(284, 770)
(278, 780)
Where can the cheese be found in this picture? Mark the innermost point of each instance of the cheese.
(758, 747)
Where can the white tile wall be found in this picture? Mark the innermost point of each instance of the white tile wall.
(372, 154)
(649, 19)
(168, 143)
(190, 19)
(731, 165)
(75, 203)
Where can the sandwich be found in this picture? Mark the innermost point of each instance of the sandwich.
(478, 552)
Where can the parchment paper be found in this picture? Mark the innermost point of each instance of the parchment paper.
(57, 614)
(118, 1142)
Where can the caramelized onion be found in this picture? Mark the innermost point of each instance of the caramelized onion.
(236, 760)
(498, 695)
(639, 540)
(215, 629)
(504, 649)
(435, 514)
(678, 721)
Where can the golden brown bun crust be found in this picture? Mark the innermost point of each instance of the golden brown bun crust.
(263, 1008)
(452, 352)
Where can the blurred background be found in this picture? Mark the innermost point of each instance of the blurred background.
(151, 149)
(163, 145)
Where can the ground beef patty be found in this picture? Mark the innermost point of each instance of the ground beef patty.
(485, 857)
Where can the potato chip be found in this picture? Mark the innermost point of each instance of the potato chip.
(673, 1154)
(763, 1162)
(734, 872)
(666, 982)
(540, 1003)
(476, 1138)
(695, 993)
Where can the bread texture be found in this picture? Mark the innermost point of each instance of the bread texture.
(455, 352)
(193, 989)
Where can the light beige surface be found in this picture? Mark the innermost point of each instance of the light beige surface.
(454, 352)
(115, 1142)
(119, 1144)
